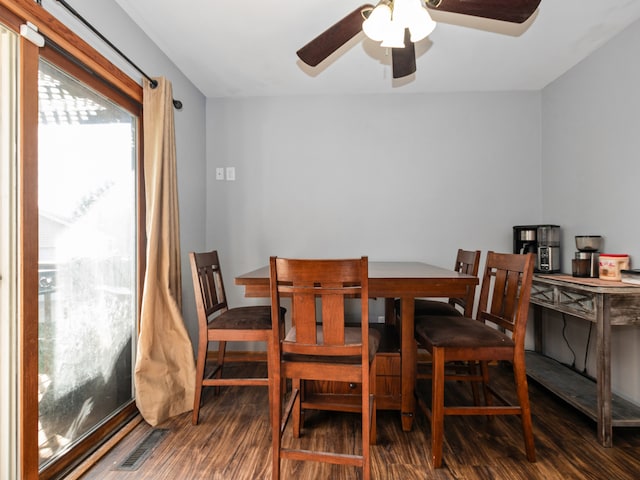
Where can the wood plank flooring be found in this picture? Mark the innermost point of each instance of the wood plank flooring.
(232, 441)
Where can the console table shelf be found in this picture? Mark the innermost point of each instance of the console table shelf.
(578, 390)
(606, 304)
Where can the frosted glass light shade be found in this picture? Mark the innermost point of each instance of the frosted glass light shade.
(394, 37)
(375, 27)
(421, 25)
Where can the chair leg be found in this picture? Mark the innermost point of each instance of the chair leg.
(472, 370)
(366, 417)
(488, 397)
(275, 403)
(369, 419)
(200, 364)
(437, 406)
(373, 377)
(296, 385)
(222, 347)
(276, 392)
(525, 415)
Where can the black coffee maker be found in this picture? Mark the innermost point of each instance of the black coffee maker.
(541, 240)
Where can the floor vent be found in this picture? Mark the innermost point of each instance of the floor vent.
(137, 457)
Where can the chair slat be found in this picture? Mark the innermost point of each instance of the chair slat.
(304, 306)
(333, 319)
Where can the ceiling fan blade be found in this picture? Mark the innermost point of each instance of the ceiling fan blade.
(514, 11)
(333, 38)
(403, 60)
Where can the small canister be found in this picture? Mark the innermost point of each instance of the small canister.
(611, 265)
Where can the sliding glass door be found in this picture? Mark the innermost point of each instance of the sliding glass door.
(87, 158)
(72, 244)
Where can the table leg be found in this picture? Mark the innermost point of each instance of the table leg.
(389, 311)
(408, 351)
(537, 328)
(603, 349)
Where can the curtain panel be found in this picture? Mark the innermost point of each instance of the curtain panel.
(165, 367)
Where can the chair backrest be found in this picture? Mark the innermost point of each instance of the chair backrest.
(505, 292)
(318, 290)
(467, 261)
(208, 285)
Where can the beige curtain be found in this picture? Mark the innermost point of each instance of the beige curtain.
(165, 369)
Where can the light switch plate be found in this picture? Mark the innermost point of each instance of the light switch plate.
(219, 173)
(231, 173)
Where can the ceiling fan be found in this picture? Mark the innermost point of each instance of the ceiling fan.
(404, 58)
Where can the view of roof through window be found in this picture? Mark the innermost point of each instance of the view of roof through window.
(64, 106)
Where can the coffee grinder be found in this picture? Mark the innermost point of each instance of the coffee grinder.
(587, 256)
(548, 259)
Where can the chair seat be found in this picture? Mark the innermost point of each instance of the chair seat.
(435, 307)
(256, 317)
(425, 307)
(459, 332)
(352, 336)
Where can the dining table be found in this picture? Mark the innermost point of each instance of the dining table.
(391, 280)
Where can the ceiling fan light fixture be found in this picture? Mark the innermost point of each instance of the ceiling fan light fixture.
(388, 20)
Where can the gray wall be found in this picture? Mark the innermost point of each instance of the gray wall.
(591, 168)
(395, 177)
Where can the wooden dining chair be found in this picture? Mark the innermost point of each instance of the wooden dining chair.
(467, 261)
(218, 322)
(321, 346)
(497, 333)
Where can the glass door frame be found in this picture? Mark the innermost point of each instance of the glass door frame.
(13, 13)
(9, 42)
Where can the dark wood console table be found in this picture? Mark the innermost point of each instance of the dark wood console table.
(606, 304)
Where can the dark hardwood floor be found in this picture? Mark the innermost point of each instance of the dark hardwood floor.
(232, 441)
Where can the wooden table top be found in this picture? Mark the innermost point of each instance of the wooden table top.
(587, 283)
(386, 279)
(377, 270)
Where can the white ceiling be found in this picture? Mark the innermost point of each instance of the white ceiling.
(237, 48)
